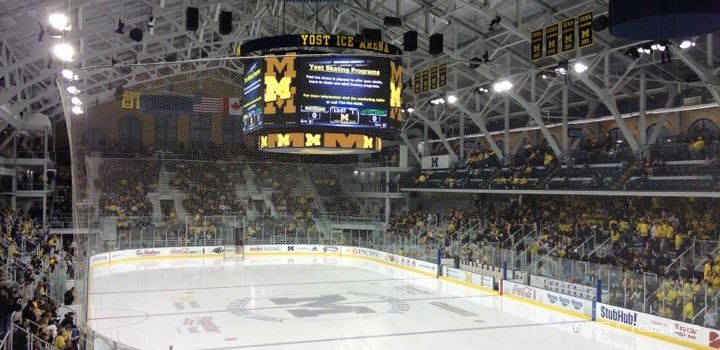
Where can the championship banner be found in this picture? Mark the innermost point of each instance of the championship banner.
(425, 80)
(417, 82)
(585, 29)
(568, 35)
(130, 100)
(433, 78)
(536, 44)
(442, 75)
(551, 40)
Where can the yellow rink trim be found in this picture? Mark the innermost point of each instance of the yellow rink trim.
(658, 336)
(550, 307)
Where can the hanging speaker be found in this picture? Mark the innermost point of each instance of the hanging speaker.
(136, 34)
(600, 23)
(392, 21)
(192, 19)
(225, 22)
(410, 41)
(371, 34)
(436, 44)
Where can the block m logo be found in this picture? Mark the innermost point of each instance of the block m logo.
(279, 90)
(396, 82)
(320, 305)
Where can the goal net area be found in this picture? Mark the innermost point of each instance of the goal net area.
(233, 252)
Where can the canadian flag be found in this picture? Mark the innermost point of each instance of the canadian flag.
(235, 105)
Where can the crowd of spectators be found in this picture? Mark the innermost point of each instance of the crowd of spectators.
(593, 165)
(124, 184)
(28, 306)
(209, 187)
(642, 236)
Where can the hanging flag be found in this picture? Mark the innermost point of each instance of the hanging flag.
(235, 105)
(214, 105)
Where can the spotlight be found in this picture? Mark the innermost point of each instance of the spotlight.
(76, 101)
(502, 85)
(451, 99)
(580, 67)
(77, 110)
(64, 51)
(544, 75)
(121, 26)
(481, 90)
(58, 21)
(658, 46)
(686, 44)
(67, 74)
(437, 101)
(72, 90)
(562, 67)
(411, 110)
(647, 48)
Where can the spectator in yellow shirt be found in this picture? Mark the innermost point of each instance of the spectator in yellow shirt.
(707, 270)
(688, 311)
(643, 229)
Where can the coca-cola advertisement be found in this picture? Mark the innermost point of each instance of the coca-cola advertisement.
(522, 291)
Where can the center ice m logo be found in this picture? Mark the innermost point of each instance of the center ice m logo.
(321, 305)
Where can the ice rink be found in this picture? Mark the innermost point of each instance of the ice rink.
(323, 303)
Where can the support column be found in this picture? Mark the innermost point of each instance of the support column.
(387, 197)
(564, 136)
(506, 131)
(642, 122)
(462, 136)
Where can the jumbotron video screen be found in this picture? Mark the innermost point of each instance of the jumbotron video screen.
(326, 91)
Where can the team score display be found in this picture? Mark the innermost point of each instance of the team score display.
(343, 116)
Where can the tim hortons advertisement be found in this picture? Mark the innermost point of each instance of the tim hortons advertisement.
(147, 252)
(684, 332)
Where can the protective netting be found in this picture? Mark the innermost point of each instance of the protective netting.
(160, 159)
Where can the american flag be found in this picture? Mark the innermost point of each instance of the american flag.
(217, 105)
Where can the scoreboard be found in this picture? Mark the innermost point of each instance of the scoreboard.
(305, 92)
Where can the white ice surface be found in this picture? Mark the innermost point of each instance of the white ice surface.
(323, 303)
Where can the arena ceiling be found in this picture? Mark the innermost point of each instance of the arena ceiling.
(612, 85)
